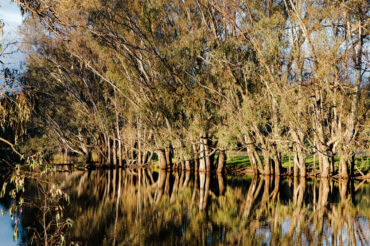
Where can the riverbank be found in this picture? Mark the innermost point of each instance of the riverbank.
(237, 163)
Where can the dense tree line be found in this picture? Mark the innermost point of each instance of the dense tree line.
(189, 80)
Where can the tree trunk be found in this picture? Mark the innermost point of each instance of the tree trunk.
(120, 152)
(109, 157)
(196, 158)
(253, 155)
(167, 186)
(162, 159)
(187, 165)
(295, 165)
(168, 157)
(202, 181)
(221, 185)
(266, 161)
(127, 155)
(252, 161)
(114, 150)
(343, 163)
(302, 163)
(299, 157)
(207, 155)
(202, 158)
(258, 159)
(221, 161)
(325, 165)
(277, 163)
(65, 156)
(187, 179)
(332, 160)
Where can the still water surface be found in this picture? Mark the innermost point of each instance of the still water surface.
(146, 207)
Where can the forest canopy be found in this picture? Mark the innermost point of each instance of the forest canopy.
(116, 81)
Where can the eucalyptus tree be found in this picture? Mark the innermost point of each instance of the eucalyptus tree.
(328, 38)
(196, 77)
(300, 59)
(66, 107)
(166, 86)
(253, 59)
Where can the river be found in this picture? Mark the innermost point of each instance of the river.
(151, 207)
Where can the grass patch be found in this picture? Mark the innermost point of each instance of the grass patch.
(242, 161)
(238, 161)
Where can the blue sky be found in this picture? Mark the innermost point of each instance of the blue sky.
(11, 17)
(6, 230)
(10, 14)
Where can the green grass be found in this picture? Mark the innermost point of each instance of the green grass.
(242, 161)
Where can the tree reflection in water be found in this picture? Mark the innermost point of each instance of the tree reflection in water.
(144, 207)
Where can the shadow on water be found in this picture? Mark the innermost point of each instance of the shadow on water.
(146, 207)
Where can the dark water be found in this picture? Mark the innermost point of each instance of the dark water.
(145, 207)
